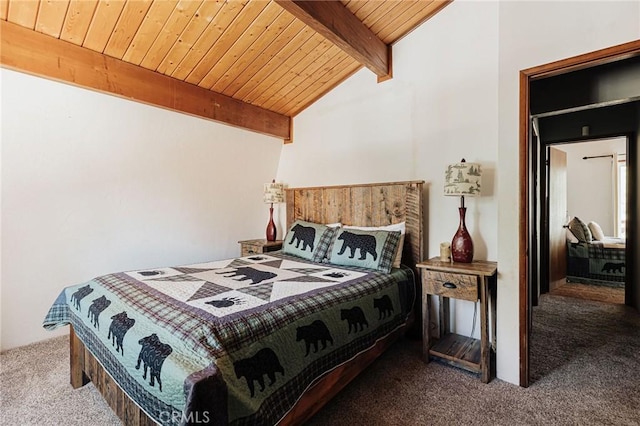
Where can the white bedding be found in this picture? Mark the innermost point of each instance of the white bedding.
(611, 242)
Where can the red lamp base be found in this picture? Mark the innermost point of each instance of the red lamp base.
(271, 226)
(462, 245)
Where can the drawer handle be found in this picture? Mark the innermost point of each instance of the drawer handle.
(251, 251)
(449, 285)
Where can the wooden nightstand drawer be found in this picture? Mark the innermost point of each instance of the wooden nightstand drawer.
(249, 247)
(457, 286)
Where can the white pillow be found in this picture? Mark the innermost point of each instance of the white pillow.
(394, 227)
(596, 231)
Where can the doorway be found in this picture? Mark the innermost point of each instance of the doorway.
(573, 100)
(586, 182)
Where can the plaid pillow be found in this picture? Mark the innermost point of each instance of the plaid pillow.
(308, 240)
(365, 249)
(580, 230)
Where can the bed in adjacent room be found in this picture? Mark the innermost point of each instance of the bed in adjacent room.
(260, 339)
(592, 257)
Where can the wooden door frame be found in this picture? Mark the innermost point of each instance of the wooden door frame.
(599, 57)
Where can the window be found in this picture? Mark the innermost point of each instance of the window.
(621, 222)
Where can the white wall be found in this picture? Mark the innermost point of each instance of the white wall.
(531, 34)
(440, 107)
(1, 213)
(591, 187)
(93, 184)
(455, 93)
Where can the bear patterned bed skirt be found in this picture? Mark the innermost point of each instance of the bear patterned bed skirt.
(595, 264)
(234, 341)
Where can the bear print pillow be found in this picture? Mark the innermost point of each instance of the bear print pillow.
(402, 227)
(365, 249)
(308, 240)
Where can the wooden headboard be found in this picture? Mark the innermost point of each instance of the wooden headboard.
(375, 204)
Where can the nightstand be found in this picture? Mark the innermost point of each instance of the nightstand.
(249, 247)
(466, 281)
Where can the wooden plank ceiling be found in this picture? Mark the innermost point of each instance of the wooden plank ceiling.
(248, 63)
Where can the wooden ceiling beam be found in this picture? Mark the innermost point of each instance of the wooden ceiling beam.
(24, 50)
(335, 22)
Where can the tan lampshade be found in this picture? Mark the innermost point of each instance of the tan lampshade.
(273, 192)
(463, 179)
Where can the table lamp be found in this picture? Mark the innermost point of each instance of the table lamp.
(462, 179)
(273, 193)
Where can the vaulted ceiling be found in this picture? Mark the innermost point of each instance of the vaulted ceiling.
(254, 64)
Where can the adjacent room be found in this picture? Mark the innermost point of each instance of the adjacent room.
(598, 273)
(319, 212)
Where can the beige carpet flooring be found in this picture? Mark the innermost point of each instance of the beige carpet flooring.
(585, 366)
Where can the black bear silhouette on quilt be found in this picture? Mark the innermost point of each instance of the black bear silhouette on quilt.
(247, 273)
(265, 361)
(355, 318)
(80, 294)
(365, 243)
(120, 324)
(152, 355)
(384, 306)
(613, 267)
(96, 308)
(312, 334)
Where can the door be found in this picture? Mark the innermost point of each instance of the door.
(557, 217)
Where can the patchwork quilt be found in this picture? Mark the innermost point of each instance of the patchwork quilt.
(597, 264)
(233, 341)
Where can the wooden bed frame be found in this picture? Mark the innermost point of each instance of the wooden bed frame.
(364, 205)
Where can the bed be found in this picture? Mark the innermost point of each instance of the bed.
(592, 257)
(597, 262)
(219, 344)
